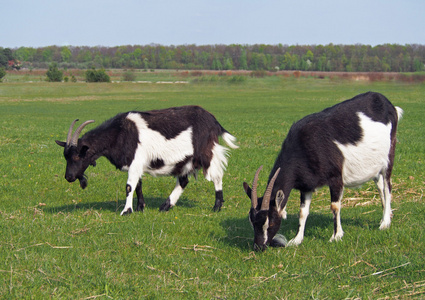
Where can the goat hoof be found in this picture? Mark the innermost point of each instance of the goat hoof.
(140, 208)
(217, 206)
(127, 212)
(165, 206)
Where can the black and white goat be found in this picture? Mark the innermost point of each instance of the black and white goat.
(344, 145)
(175, 141)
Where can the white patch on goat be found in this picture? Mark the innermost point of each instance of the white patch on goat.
(384, 192)
(369, 157)
(336, 210)
(217, 166)
(155, 146)
(176, 193)
(265, 227)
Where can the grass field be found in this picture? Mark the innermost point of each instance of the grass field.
(59, 241)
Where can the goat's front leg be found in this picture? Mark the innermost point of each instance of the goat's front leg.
(140, 200)
(181, 183)
(305, 201)
(132, 182)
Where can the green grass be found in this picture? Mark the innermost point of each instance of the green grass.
(59, 241)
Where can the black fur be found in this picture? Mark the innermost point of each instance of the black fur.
(156, 164)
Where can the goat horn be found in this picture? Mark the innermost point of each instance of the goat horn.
(267, 195)
(254, 197)
(68, 139)
(74, 140)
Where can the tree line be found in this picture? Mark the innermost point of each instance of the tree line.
(336, 58)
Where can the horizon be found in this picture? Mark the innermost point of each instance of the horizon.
(108, 23)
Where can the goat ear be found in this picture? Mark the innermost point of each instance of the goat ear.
(247, 189)
(62, 144)
(83, 151)
(279, 199)
(280, 196)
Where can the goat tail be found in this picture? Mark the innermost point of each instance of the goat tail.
(230, 140)
(399, 112)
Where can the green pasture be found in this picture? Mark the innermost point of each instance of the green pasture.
(59, 241)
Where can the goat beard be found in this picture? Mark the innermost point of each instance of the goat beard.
(83, 181)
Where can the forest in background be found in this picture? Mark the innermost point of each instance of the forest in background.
(328, 58)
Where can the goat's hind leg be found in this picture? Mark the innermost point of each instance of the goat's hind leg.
(384, 186)
(336, 198)
(218, 185)
(140, 200)
(181, 183)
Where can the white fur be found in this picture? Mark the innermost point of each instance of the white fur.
(155, 146)
(218, 163)
(367, 160)
(304, 212)
(230, 140)
(265, 227)
(176, 193)
(399, 112)
(369, 157)
(336, 209)
(385, 194)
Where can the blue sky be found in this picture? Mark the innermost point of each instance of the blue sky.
(38, 23)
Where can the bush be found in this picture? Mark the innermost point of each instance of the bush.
(53, 74)
(237, 79)
(94, 75)
(129, 76)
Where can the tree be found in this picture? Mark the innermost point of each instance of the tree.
(66, 54)
(243, 62)
(54, 74)
(387, 57)
(418, 65)
(47, 55)
(5, 57)
(216, 64)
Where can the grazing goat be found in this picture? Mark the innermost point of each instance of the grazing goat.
(175, 141)
(344, 145)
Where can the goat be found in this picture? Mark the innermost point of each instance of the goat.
(344, 145)
(175, 141)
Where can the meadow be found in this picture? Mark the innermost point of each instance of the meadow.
(59, 241)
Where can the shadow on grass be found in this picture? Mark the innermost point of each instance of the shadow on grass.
(240, 233)
(116, 206)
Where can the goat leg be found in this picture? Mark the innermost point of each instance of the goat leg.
(140, 200)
